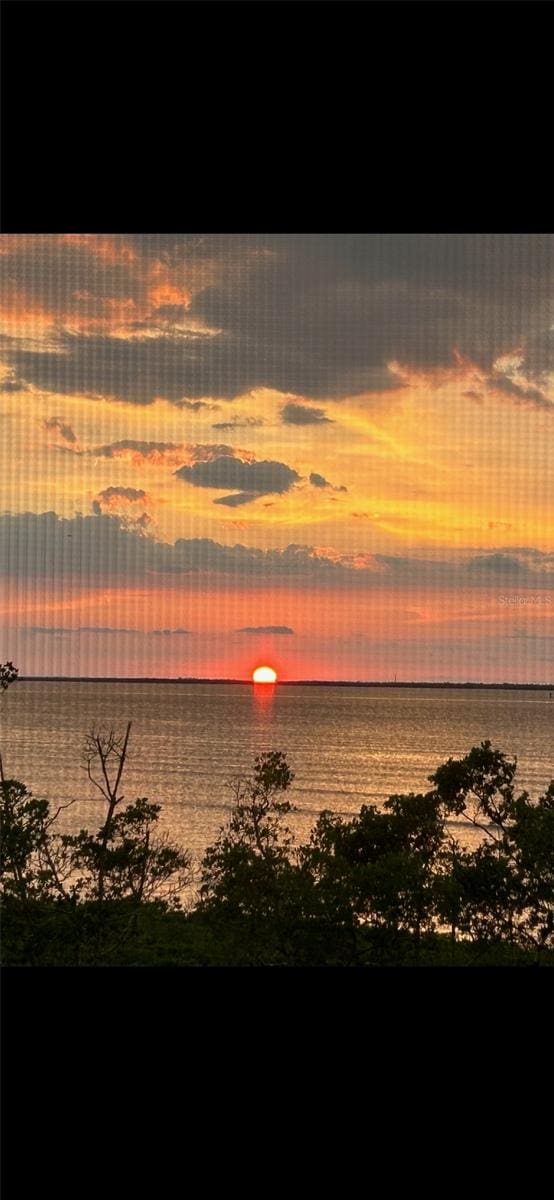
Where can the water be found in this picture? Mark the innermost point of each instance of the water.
(347, 746)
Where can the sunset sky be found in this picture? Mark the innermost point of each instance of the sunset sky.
(330, 453)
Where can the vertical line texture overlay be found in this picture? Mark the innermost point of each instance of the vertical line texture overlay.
(327, 454)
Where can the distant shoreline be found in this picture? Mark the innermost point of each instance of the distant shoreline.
(355, 683)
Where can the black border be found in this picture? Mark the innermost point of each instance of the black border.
(456, 1059)
(258, 116)
(252, 117)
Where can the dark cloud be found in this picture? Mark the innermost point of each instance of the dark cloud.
(524, 392)
(314, 316)
(53, 629)
(156, 453)
(134, 372)
(99, 551)
(65, 275)
(65, 431)
(320, 482)
(80, 629)
(265, 629)
(169, 632)
(398, 563)
(326, 313)
(13, 385)
(482, 569)
(124, 493)
(103, 629)
(113, 499)
(144, 449)
(239, 423)
(192, 405)
(172, 313)
(300, 414)
(237, 498)
(497, 564)
(251, 479)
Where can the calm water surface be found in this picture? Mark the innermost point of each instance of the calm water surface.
(347, 746)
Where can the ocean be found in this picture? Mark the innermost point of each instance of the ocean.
(348, 746)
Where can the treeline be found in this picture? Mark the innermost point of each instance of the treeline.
(393, 886)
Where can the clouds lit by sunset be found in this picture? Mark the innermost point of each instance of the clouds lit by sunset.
(331, 453)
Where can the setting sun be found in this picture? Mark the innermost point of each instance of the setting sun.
(264, 675)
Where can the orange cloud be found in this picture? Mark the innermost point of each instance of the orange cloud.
(168, 293)
(128, 286)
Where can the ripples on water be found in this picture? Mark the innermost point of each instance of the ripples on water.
(347, 746)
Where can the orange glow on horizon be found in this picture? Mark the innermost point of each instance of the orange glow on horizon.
(264, 675)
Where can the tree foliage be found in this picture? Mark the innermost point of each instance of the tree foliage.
(505, 887)
(245, 868)
(125, 862)
(8, 675)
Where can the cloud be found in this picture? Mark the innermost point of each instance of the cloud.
(92, 282)
(100, 551)
(300, 414)
(319, 481)
(239, 423)
(58, 629)
(250, 479)
(498, 564)
(53, 629)
(170, 453)
(65, 431)
(512, 375)
(119, 370)
(237, 499)
(123, 493)
(315, 316)
(531, 553)
(140, 453)
(169, 632)
(483, 569)
(103, 629)
(13, 385)
(266, 629)
(324, 316)
(526, 393)
(128, 504)
(192, 405)
(111, 499)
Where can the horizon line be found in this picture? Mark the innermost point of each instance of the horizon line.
(469, 683)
